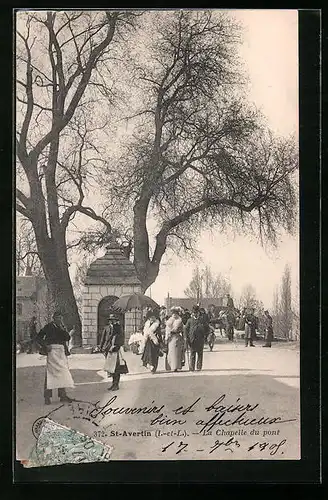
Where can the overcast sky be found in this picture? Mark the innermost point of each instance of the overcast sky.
(270, 52)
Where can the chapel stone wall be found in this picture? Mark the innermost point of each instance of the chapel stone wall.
(111, 275)
(92, 295)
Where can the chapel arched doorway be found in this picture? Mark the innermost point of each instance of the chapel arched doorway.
(104, 310)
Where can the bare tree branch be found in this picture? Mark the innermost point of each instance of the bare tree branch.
(43, 108)
(59, 124)
(86, 211)
(22, 210)
(29, 253)
(29, 95)
(23, 198)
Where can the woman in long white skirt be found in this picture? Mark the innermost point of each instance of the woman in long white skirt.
(174, 340)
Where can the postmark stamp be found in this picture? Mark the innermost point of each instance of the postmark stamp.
(58, 445)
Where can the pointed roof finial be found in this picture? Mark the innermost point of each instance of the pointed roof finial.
(112, 242)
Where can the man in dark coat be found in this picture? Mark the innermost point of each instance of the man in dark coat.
(229, 323)
(229, 301)
(206, 321)
(195, 333)
(250, 327)
(268, 329)
(185, 316)
(49, 338)
(112, 340)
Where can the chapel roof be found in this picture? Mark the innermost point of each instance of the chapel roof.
(113, 268)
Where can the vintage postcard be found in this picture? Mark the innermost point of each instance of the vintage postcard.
(157, 242)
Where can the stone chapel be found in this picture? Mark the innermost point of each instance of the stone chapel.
(108, 278)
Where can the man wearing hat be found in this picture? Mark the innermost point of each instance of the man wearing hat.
(229, 301)
(52, 340)
(195, 332)
(112, 340)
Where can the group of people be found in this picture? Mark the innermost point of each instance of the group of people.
(176, 336)
(249, 322)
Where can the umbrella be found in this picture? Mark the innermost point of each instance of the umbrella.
(134, 301)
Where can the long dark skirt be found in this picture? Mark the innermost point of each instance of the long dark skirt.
(250, 332)
(150, 355)
(269, 334)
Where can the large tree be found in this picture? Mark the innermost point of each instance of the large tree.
(276, 312)
(286, 313)
(64, 62)
(248, 297)
(215, 284)
(195, 288)
(197, 155)
(206, 284)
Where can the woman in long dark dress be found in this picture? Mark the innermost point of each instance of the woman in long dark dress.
(268, 329)
(152, 342)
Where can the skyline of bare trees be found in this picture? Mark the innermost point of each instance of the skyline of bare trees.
(206, 284)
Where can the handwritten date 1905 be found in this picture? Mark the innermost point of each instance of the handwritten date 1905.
(272, 447)
(230, 444)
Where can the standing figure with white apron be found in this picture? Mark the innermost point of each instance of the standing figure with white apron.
(111, 343)
(52, 339)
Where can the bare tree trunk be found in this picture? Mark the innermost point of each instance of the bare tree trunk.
(53, 256)
(150, 278)
(147, 269)
(60, 288)
(141, 242)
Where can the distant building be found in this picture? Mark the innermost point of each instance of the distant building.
(31, 300)
(187, 303)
